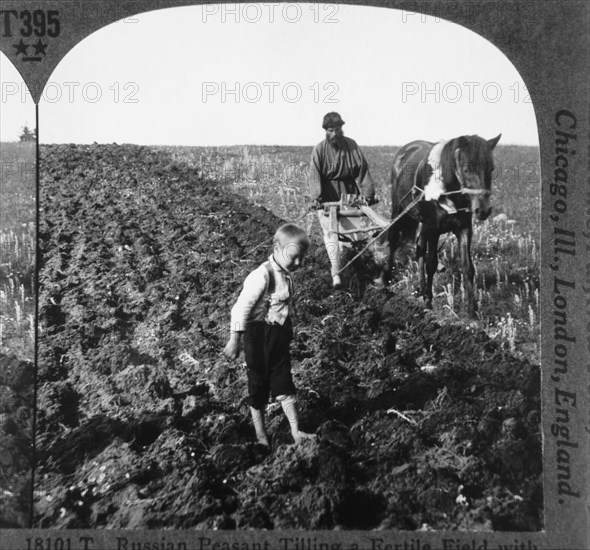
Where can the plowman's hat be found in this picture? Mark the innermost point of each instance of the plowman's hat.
(332, 120)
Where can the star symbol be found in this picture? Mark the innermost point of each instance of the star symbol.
(40, 47)
(21, 47)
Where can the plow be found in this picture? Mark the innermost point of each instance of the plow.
(353, 220)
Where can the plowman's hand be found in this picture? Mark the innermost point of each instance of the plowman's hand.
(233, 347)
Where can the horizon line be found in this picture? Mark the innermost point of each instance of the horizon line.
(512, 144)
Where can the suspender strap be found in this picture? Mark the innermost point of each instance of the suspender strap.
(271, 283)
(271, 277)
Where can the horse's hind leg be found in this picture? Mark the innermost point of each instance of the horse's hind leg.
(386, 262)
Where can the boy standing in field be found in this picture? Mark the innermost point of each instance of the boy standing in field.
(262, 315)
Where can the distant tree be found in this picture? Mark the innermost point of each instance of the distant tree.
(27, 135)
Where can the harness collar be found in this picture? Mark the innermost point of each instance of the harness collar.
(433, 160)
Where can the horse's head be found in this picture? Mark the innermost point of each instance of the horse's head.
(472, 165)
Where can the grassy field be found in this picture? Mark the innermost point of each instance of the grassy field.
(17, 248)
(506, 246)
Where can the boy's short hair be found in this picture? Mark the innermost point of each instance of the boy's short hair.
(291, 232)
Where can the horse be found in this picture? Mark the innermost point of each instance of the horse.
(454, 179)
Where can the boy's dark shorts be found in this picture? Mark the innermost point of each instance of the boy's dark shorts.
(268, 361)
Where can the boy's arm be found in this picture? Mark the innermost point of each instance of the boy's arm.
(234, 345)
(254, 286)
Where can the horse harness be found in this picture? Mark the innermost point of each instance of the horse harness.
(463, 191)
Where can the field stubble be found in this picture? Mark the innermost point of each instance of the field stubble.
(17, 248)
(505, 247)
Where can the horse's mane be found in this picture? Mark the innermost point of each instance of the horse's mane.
(478, 155)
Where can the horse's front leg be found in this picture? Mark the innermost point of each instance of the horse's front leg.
(420, 254)
(464, 238)
(431, 265)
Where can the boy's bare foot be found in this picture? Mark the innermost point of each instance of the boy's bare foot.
(300, 436)
(336, 282)
(263, 440)
(258, 421)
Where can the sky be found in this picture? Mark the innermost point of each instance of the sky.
(267, 73)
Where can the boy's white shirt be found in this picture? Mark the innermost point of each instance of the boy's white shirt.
(251, 304)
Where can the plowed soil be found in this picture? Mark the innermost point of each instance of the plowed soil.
(16, 412)
(421, 424)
